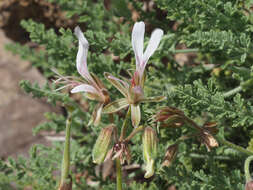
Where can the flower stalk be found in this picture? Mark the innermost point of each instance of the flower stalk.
(65, 178)
(232, 92)
(124, 126)
(119, 174)
(233, 146)
(246, 168)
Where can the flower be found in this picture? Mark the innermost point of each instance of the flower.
(132, 89)
(92, 86)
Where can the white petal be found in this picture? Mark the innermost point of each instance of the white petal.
(153, 44)
(81, 58)
(137, 41)
(84, 88)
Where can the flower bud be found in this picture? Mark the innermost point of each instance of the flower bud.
(169, 115)
(170, 155)
(149, 140)
(211, 127)
(102, 144)
(249, 185)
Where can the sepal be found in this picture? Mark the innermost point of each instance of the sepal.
(116, 106)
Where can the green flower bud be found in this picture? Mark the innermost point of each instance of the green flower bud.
(102, 144)
(149, 140)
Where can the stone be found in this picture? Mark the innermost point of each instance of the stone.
(19, 112)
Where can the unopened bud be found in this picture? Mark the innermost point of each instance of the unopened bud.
(249, 185)
(169, 115)
(102, 144)
(211, 127)
(170, 155)
(149, 140)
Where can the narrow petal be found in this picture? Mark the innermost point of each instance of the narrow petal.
(135, 115)
(84, 88)
(137, 42)
(154, 99)
(81, 58)
(121, 85)
(97, 114)
(116, 106)
(153, 44)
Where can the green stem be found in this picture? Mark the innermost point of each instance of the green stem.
(136, 130)
(221, 140)
(186, 50)
(119, 174)
(124, 126)
(232, 92)
(233, 146)
(200, 156)
(246, 168)
(66, 153)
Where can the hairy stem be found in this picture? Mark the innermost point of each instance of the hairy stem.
(246, 168)
(136, 130)
(221, 140)
(66, 154)
(124, 126)
(233, 146)
(186, 50)
(232, 92)
(119, 174)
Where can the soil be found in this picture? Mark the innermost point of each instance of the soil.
(19, 112)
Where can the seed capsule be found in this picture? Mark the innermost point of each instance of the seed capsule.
(102, 144)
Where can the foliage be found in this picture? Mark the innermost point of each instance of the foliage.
(219, 34)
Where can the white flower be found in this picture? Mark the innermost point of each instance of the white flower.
(133, 90)
(138, 43)
(92, 86)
